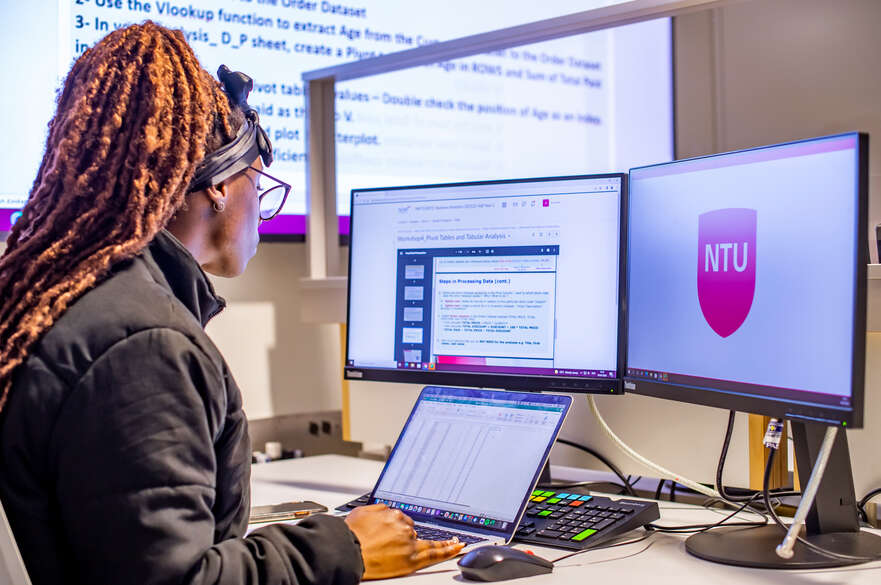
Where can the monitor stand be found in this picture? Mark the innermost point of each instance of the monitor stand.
(832, 523)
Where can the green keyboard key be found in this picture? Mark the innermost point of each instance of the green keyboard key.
(553, 500)
(538, 492)
(545, 512)
(548, 494)
(582, 535)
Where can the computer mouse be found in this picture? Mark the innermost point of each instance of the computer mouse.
(498, 563)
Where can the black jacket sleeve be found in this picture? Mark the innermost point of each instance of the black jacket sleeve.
(134, 452)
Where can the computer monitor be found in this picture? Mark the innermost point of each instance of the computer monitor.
(511, 284)
(747, 291)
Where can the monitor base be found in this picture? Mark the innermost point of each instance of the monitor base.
(755, 547)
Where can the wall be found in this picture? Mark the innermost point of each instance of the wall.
(282, 365)
(791, 69)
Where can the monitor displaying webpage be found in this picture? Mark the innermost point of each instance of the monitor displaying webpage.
(512, 278)
(457, 446)
(742, 272)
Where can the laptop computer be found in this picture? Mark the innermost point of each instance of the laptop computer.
(467, 461)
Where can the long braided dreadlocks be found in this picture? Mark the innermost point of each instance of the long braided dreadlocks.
(136, 114)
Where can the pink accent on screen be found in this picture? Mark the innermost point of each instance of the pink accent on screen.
(748, 157)
(296, 224)
(461, 360)
(6, 219)
(726, 267)
(280, 224)
(284, 224)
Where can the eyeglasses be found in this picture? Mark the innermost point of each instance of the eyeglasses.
(271, 199)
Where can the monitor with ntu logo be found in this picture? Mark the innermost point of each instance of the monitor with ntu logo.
(746, 290)
(746, 280)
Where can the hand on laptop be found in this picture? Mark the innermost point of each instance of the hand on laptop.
(389, 545)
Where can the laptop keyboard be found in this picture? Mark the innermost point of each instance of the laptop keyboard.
(431, 533)
(423, 532)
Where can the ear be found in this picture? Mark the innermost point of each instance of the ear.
(216, 194)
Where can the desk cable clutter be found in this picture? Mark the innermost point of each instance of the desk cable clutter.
(785, 549)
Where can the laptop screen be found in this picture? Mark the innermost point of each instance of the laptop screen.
(469, 458)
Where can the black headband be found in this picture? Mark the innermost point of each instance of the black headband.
(250, 142)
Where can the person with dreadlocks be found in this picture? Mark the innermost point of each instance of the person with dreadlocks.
(124, 454)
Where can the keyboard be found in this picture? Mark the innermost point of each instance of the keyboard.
(576, 520)
(571, 519)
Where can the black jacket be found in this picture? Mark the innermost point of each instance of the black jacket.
(124, 453)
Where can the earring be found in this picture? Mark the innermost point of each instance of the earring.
(219, 206)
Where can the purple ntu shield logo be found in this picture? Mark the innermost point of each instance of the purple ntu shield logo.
(726, 267)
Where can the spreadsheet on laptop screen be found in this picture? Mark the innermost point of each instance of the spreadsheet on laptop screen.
(470, 456)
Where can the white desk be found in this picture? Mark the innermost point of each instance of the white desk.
(661, 559)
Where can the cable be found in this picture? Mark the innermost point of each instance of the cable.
(590, 485)
(602, 460)
(817, 549)
(861, 506)
(750, 507)
(720, 486)
(660, 489)
(632, 483)
(613, 545)
(687, 528)
(553, 485)
(662, 471)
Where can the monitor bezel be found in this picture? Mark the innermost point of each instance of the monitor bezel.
(523, 382)
(822, 414)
